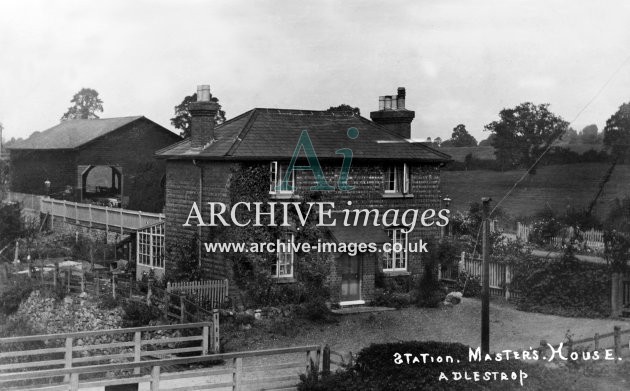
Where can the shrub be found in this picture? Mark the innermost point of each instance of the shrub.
(19, 290)
(565, 287)
(138, 314)
(316, 311)
(468, 284)
(107, 302)
(430, 294)
(386, 298)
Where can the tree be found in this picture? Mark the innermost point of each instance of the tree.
(522, 133)
(86, 104)
(344, 109)
(487, 142)
(571, 136)
(181, 120)
(461, 137)
(617, 133)
(437, 141)
(589, 134)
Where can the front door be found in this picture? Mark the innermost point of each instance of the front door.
(350, 277)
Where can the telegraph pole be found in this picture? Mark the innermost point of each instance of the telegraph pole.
(485, 290)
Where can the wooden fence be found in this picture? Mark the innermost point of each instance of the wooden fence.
(617, 341)
(234, 374)
(209, 294)
(592, 238)
(30, 202)
(500, 276)
(70, 350)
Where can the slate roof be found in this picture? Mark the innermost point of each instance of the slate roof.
(272, 134)
(73, 133)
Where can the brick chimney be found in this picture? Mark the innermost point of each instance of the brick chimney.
(202, 113)
(393, 115)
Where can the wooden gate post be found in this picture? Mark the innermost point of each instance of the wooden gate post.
(216, 348)
(114, 286)
(137, 347)
(55, 274)
(326, 361)
(182, 310)
(237, 371)
(155, 378)
(205, 333)
(68, 356)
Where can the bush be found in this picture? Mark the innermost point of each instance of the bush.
(316, 311)
(139, 314)
(386, 298)
(565, 287)
(430, 294)
(19, 290)
(468, 284)
(107, 302)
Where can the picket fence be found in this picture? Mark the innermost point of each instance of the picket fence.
(500, 275)
(211, 293)
(592, 238)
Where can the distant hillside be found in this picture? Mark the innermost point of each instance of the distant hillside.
(487, 153)
(555, 187)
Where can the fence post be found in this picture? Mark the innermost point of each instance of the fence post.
(596, 341)
(508, 281)
(236, 373)
(68, 356)
(97, 283)
(167, 304)
(82, 279)
(182, 310)
(137, 347)
(204, 342)
(74, 382)
(69, 276)
(617, 337)
(326, 360)
(114, 286)
(155, 378)
(215, 331)
(149, 291)
(55, 274)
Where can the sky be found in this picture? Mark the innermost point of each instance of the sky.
(461, 61)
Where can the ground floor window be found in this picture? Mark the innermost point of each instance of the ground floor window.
(150, 246)
(396, 257)
(285, 256)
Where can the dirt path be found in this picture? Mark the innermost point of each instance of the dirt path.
(509, 328)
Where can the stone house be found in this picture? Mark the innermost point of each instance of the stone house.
(107, 161)
(387, 171)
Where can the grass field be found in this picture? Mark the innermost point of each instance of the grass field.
(555, 187)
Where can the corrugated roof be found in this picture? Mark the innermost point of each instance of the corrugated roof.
(72, 133)
(273, 134)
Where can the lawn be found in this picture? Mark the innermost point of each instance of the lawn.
(555, 187)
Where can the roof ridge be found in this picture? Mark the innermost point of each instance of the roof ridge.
(243, 133)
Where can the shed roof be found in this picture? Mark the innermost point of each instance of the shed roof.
(262, 133)
(72, 133)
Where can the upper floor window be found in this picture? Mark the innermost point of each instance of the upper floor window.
(277, 173)
(397, 179)
(285, 256)
(396, 257)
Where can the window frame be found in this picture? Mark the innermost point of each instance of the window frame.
(276, 175)
(396, 236)
(288, 238)
(401, 174)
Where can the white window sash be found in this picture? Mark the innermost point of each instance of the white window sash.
(273, 177)
(285, 260)
(397, 261)
(405, 179)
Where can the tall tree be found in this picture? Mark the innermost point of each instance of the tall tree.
(589, 134)
(461, 137)
(344, 108)
(522, 133)
(181, 120)
(86, 104)
(617, 133)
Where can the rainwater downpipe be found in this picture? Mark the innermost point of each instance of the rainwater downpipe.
(200, 203)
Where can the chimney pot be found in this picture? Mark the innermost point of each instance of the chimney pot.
(203, 93)
(392, 114)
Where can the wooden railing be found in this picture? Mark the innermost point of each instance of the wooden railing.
(592, 238)
(233, 374)
(71, 350)
(616, 341)
(103, 216)
(210, 293)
